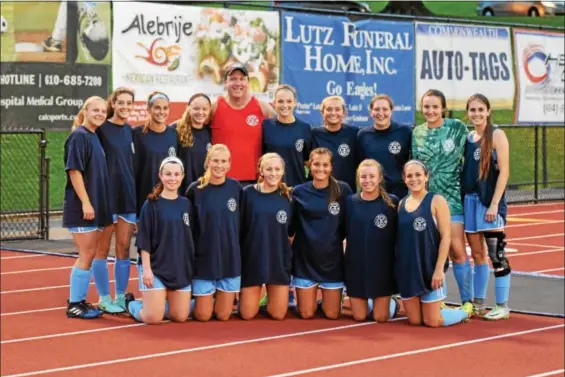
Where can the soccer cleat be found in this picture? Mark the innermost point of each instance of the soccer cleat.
(82, 310)
(263, 301)
(498, 312)
(52, 45)
(120, 301)
(108, 306)
(92, 32)
(479, 310)
(467, 307)
(129, 297)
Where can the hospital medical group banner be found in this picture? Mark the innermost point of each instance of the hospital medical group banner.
(325, 56)
(461, 60)
(540, 67)
(44, 83)
(183, 50)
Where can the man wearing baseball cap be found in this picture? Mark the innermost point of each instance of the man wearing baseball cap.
(237, 121)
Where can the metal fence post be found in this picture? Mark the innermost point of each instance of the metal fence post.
(47, 177)
(536, 164)
(42, 189)
(545, 179)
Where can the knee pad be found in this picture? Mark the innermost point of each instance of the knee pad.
(496, 251)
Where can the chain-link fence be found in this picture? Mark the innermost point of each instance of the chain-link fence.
(23, 185)
(536, 163)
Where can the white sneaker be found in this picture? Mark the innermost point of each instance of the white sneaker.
(498, 312)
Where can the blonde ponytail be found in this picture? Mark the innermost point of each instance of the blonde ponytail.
(205, 179)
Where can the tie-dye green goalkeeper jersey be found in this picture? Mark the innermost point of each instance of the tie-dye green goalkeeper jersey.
(442, 149)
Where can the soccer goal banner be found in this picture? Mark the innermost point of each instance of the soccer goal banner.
(461, 60)
(330, 55)
(183, 50)
(54, 55)
(540, 64)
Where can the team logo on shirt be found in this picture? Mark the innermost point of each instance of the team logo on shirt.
(186, 219)
(381, 221)
(333, 207)
(252, 120)
(343, 150)
(172, 152)
(477, 154)
(132, 148)
(208, 146)
(394, 147)
(299, 145)
(232, 204)
(448, 145)
(282, 216)
(420, 224)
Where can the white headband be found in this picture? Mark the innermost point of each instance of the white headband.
(173, 160)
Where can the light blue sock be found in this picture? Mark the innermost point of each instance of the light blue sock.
(480, 282)
(121, 274)
(101, 277)
(80, 279)
(192, 305)
(462, 272)
(452, 316)
(134, 308)
(502, 289)
(370, 305)
(392, 308)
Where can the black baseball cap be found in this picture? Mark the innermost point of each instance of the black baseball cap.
(236, 67)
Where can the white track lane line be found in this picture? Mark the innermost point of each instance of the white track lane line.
(547, 374)
(284, 336)
(550, 270)
(534, 224)
(535, 237)
(415, 352)
(514, 255)
(24, 256)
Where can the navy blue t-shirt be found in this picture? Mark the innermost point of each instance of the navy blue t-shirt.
(293, 143)
(117, 141)
(217, 227)
(391, 148)
(370, 231)
(470, 182)
(342, 144)
(83, 152)
(193, 157)
(417, 248)
(266, 253)
(165, 232)
(319, 231)
(151, 149)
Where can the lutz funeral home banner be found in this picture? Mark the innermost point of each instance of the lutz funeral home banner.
(182, 50)
(461, 60)
(332, 56)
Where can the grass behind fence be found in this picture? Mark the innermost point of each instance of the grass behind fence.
(521, 162)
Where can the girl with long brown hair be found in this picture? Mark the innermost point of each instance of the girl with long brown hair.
(194, 137)
(484, 179)
(86, 210)
(318, 228)
(153, 142)
(165, 243)
(116, 137)
(266, 254)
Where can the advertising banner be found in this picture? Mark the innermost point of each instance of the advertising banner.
(540, 64)
(54, 55)
(329, 55)
(182, 50)
(461, 60)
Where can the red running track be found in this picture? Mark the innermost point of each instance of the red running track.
(37, 339)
